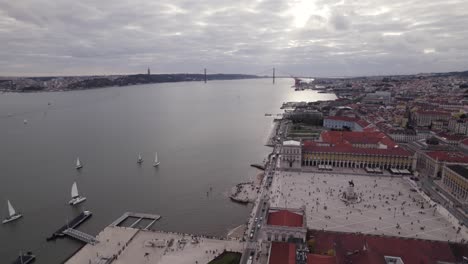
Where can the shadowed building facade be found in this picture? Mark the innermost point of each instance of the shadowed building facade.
(455, 179)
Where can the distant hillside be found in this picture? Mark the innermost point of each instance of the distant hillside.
(33, 84)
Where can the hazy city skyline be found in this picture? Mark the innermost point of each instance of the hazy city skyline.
(313, 38)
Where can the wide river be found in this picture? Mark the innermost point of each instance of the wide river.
(206, 135)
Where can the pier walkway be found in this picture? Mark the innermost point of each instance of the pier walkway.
(81, 236)
(74, 223)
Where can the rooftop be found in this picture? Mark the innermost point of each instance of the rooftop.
(363, 249)
(348, 138)
(291, 143)
(448, 156)
(283, 253)
(461, 170)
(320, 259)
(285, 218)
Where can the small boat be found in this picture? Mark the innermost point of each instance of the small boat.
(29, 257)
(13, 215)
(78, 164)
(140, 159)
(156, 161)
(25, 121)
(76, 198)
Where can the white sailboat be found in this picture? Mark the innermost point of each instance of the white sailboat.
(156, 161)
(76, 198)
(78, 164)
(13, 215)
(140, 159)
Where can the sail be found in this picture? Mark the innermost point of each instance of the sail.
(74, 190)
(78, 163)
(156, 158)
(11, 210)
(139, 156)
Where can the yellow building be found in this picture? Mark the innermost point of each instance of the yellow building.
(354, 157)
(455, 178)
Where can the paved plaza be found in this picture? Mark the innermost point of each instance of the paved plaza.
(129, 245)
(389, 205)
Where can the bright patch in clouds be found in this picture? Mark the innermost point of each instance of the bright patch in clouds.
(302, 10)
(427, 51)
(392, 34)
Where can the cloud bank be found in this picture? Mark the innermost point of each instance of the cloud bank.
(305, 37)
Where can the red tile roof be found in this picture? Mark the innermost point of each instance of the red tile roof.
(362, 123)
(451, 136)
(368, 249)
(285, 218)
(465, 142)
(320, 259)
(447, 156)
(347, 138)
(283, 253)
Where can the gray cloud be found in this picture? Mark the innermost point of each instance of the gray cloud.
(304, 37)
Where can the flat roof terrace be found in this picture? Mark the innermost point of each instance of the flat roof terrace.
(388, 205)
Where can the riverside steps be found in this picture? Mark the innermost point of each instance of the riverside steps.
(75, 222)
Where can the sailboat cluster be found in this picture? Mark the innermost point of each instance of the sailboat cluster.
(76, 198)
(155, 163)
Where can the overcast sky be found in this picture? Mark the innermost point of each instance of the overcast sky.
(313, 38)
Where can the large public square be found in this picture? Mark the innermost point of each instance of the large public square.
(389, 205)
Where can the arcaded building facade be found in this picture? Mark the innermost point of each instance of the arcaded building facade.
(455, 179)
(349, 157)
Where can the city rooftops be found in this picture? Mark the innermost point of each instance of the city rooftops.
(460, 170)
(348, 138)
(448, 156)
(363, 249)
(291, 143)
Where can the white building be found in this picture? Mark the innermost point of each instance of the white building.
(284, 225)
(344, 122)
(291, 155)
